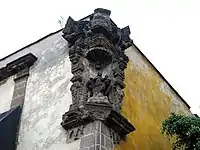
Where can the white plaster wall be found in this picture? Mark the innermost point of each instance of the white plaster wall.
(47, 98)
(6, 93)
(141, 63)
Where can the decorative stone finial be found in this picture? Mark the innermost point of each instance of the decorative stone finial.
(102, 11)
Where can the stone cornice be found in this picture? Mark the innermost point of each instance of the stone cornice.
(98, 111)
(17, 65)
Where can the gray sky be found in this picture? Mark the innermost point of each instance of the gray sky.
(166, 31)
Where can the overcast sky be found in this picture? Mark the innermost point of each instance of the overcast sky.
(166, 31)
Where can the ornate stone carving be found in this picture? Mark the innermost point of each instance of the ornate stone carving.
(97, 111)
(75, 133)
(96, 51)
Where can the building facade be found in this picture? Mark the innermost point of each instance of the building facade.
(85, 87)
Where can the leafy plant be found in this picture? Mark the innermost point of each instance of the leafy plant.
(184, 129)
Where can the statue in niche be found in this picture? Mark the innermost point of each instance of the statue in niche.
(98, 89)
(75, 91)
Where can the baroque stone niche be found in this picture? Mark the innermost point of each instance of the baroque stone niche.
(96, 51)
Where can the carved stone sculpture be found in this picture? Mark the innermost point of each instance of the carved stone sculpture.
(96, 51)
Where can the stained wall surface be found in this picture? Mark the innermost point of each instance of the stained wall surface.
(6, 93)
(148, 101)
(47, 98)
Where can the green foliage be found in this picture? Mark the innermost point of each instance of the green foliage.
(185, 129)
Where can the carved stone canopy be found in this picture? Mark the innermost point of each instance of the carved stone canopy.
(96, 51)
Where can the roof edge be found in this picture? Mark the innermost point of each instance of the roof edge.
(133, 45)
(162, 77)
(31, 44)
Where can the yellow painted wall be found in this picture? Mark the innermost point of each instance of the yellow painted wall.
(148, 101)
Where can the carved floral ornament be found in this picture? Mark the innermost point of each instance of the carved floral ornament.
(96, 51)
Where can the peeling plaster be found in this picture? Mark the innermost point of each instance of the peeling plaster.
(47, 98)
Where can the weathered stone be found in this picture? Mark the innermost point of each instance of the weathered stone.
(20, 67)
(96, 51)
(91, 148)
(105, 130)
(102, 140)
(108, 144)
(98, 147)
(103, 148)
(84, 148)
(87, 141)
(98, 138)
(16, 66)
(17, 101)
